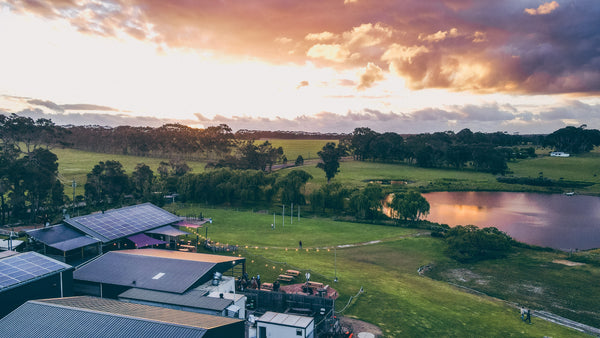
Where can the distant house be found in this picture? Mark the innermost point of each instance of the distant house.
(274, 324)
(97, 317)
(559, 154)
(29, 275)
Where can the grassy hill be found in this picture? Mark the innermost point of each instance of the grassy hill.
(383, 261)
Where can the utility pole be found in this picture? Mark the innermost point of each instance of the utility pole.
(335, 263)
(74, 184)
(283, 216)
(292, 213)
(273, 219)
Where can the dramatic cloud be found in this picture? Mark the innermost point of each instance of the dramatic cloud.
(369, 76)
(486, 47)
(543, 9)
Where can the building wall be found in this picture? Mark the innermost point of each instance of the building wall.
(49, 287)
(276, 331)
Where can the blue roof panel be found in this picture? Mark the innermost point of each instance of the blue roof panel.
(24, 267)
(119, 223)
(61, 237)
(146, 272)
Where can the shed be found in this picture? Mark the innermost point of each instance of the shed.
(64, 243)
(29, 275)
(274, 324)
(97, 317)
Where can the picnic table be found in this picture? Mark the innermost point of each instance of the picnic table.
(294, 273)
(285, 278)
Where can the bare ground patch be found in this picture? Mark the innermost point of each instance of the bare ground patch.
(361, 326)
(466, 276)
(566, 262)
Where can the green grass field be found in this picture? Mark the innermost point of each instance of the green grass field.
(396, 298)
(307, 148)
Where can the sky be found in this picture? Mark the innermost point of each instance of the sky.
(405, 66)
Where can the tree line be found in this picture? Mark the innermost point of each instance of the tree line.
(487, 152)
(239, 169)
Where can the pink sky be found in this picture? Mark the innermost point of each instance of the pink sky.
(317, 65)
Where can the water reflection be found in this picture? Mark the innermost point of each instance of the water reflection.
(558, 221)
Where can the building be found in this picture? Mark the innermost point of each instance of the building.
(151, 269)
(274, 325)
(29, 275)
(193, 301)
(130, 227)
(64, 243)
(97, 317)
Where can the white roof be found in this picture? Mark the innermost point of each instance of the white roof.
(227, 295)
(286, 319)
(4, 243)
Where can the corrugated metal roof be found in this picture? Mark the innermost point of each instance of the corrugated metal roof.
(115, 224)
(40, 319)
(285, 319)
(61, 237)
(142, 271)
(148, 312)
(188, 256)
(193, 299)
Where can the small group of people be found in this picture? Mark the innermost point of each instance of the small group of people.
(526, 315)
(245, 282)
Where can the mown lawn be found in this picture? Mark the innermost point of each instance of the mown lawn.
(307, 148)
(76, 164)
(395, 297)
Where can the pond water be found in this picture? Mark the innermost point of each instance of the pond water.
(557, 221)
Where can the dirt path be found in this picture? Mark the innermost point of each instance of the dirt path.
(359, 326)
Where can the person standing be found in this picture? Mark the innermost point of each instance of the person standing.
(300, 244)
(258, 281)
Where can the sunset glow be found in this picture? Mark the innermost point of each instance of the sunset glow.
(515, 66)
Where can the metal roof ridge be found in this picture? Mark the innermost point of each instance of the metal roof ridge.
(112, 314)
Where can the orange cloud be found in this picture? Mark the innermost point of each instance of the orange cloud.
(545, 8)
(433, 44)
(369, 76)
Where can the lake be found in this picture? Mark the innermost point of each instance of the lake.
(553, 220)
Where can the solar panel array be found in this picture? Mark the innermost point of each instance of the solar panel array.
(124, 222)
(23, 267)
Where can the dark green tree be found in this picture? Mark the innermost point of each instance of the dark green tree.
(366, 203)
(106, 183)
(471, 244)
(142, 181)
(290, 186)
(574, 140)
(409, 205)
(330, 159)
